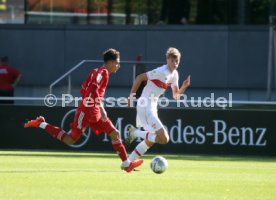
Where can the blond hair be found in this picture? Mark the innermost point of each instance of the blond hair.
(173, 52)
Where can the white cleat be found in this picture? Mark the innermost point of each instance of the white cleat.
(130, 135)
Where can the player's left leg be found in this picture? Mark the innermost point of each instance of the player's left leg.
(133, 133)
(162, 136)
(118, 146)
(108, 128)
(156, 134)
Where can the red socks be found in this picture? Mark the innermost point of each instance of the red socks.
(54, 131)
(120, 149)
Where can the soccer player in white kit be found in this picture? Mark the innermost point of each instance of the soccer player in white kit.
(158, 80)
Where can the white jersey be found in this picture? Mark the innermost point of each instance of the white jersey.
(159, 80)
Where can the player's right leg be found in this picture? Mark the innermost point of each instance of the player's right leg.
(148, 119)
(54, 131)
(35, 122)
(79, 124)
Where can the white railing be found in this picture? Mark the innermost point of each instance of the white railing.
(234, 102)
(69, 72)
(271, 57)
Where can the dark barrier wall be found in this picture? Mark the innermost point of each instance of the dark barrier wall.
(191, 131)
(215, 56)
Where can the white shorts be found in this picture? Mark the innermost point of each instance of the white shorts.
(148, 119)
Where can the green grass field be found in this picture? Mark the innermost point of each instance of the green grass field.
(57, 175)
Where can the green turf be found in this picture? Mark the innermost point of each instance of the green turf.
(49, 175)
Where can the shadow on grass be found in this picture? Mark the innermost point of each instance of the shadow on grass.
(147, 156)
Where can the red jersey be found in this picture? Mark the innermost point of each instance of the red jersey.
(8, 75)
(92, 92)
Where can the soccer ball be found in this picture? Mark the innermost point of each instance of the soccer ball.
(158, 164)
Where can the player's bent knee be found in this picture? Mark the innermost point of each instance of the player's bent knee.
(163, 139)
(72, 142)
(162, 136)
(114, 135)
(69, 141)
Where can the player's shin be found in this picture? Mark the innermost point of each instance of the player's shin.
(54, 131)
(120, 149)
(140, 149)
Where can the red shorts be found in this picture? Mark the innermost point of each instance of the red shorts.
(82, 122)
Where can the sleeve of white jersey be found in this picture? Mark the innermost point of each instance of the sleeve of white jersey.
(175, 79)
(154, 74)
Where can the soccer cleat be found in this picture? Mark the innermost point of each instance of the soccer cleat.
(134, 164)
(130, 135)
(34, 123)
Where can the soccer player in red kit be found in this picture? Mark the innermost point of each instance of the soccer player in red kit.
(91, 113)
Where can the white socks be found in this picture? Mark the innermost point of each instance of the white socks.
(43, 125)
(126, 163)
(145, 135)
(140, 149)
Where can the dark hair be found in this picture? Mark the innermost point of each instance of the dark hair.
(111, 54)
(4, 59)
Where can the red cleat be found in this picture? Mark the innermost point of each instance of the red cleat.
(34, 123)
(134, 164)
